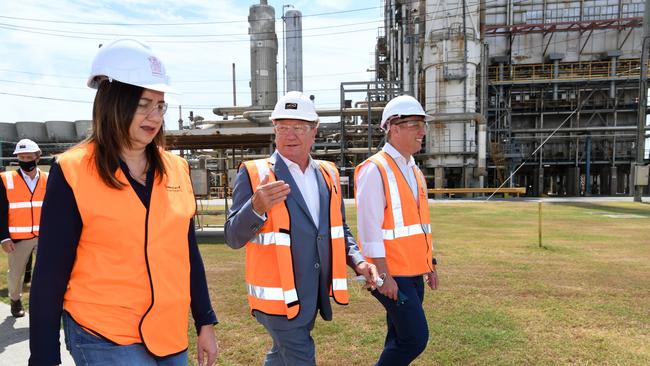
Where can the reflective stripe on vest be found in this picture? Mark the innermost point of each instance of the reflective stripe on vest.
(406, 228)
(26, 204)
(405, 231)
(23, 229)
(130, 282)
(9, 180)
(393, 189)
(339, 284)
(272, 238)
(273, 293)
(24, 209)
(337, 232)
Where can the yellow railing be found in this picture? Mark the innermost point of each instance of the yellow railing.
(453, 191)
(589, 70)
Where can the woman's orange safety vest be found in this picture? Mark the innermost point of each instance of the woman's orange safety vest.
(24, 205)
(406, 227)
(269, 264)
(130, 282)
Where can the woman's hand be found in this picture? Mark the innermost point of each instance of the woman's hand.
(206, 346)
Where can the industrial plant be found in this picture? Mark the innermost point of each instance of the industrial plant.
(545, 95)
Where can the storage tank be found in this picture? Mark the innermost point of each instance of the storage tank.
(8, 132)
(83, 128)
(264, 53)
(32, 130)
(293, 23)
(61, 131)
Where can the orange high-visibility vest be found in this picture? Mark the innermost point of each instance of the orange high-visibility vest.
(24, 205)
(269, 263)
(406, 227)
(130, 282)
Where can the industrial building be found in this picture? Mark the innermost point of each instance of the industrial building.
(506, 76)
(544, 92)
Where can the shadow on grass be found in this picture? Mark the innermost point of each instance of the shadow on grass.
(643, 209)
(554, 249)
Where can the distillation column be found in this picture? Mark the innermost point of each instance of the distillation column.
(264, 54)
(293, 21)
(451, 55)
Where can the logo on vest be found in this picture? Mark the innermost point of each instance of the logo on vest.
(173, 188)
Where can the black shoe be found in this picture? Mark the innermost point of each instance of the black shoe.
(17, 309)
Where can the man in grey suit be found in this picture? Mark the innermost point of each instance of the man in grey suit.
(297, 243)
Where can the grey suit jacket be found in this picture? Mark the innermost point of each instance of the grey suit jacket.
(310, 246)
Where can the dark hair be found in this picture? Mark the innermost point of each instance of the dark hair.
(113, 110)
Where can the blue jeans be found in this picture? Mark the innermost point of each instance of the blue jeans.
(408, 332)
(89, 350)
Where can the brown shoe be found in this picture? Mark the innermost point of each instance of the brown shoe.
(17, 309)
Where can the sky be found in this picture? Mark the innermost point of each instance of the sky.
(46, 49)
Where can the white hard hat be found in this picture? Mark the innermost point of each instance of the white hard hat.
(404, 105)
(26, 146)
(295, 105)
(130, 62)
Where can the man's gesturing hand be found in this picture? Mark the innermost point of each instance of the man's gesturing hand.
(268, 194)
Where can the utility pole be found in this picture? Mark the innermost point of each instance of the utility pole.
(643, 103)
(180, 126)
(234, 86)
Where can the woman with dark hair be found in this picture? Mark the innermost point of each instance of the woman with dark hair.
(118, 257)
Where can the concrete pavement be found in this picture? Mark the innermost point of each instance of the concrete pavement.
(14, 340)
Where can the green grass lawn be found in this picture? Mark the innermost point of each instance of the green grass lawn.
(580, 299)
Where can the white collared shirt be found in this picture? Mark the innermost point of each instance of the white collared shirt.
(307, 184)
(371, 201)
(31, 183)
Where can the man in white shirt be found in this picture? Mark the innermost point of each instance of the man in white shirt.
(21, 198)
(394, 230)
(288, 212)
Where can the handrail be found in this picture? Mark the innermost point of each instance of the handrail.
(451, 191)
(590, 70)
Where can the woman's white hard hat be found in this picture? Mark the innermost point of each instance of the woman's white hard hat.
(404, 105)
(131, 62)
(295, 105)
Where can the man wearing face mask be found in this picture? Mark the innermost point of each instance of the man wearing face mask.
(21, 198)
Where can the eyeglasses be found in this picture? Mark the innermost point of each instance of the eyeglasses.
(147, 108)
(411, 124)
(298, 130)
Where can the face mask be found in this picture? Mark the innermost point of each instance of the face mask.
(27, 166)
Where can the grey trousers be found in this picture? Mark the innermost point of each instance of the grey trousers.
(17, 262)
(291, 347)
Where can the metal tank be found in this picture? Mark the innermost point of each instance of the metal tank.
(452, 53)
(61, 131)
(8, 132)
(293, 22)
(83, 128)
(264, 53)
(32, 130)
